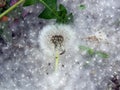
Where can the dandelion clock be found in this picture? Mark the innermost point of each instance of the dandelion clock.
(56, 40)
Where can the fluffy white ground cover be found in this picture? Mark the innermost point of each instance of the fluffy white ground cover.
(25, 65)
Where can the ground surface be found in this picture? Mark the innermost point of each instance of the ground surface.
(23, 66)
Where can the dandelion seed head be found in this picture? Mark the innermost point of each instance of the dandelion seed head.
(58, 37)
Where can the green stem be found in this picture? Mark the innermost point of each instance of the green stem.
(50, 9)
(11, 8)
(56, 60)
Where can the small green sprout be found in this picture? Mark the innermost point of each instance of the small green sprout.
(89, 50)
(93, 52)
(102, 54)
(82, 7)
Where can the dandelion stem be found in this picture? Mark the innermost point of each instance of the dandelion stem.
(11, 8)
(56, 60)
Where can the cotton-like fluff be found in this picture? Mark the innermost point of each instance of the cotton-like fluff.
(56, 37)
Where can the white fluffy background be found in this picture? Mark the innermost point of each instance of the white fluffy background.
(29, 69)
